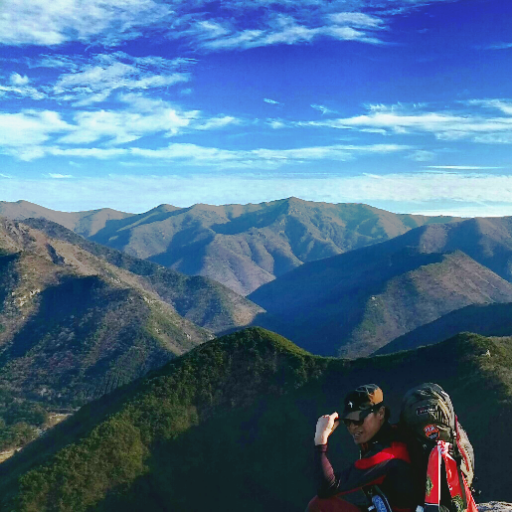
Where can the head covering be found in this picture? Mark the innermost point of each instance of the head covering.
(363, 398)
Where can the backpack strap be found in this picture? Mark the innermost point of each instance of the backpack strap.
(460, 495)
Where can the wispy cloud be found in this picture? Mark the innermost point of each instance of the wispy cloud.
(276, 124)
(23, 133)
(195, 155)
(421, 155)
(498, 46)
(456, 124)
(18, 87)
(271, 102)
(39, 22)
(284, 29)
(59, 176)
(94, 82)
(32, 134)
(235, 24)
(462, 167)
(323, 109)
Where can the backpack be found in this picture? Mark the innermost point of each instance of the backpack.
(441, 454)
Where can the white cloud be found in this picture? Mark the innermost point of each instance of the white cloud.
(444, 125)
(462, 167)
(17, 79)
(94, 82)
(22, 92)
(271, 102)
(120, 127)
(216, 123)
(421, 155)
(498, 46)
(323, 109)
(235, 24)
(21, 131)
(39, 22)
(504, 106)
(34, 134)
(192, 154)
(19, 88)
(284, 31)
(59, 176)
(276, 124)
(357, 19)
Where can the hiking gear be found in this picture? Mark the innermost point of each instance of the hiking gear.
(362, 398)
(441, 454)
(384, 462)
(460, 495)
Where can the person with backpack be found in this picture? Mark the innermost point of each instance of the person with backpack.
(383, 472)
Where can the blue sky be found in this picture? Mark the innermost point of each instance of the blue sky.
(402, 104)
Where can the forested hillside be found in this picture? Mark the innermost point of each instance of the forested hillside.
(232, 423)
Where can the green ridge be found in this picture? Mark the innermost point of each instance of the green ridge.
(231, 424)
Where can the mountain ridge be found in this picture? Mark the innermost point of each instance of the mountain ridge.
(213, 415)
(358, 301)
(243, 246)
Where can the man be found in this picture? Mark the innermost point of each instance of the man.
(384, 466)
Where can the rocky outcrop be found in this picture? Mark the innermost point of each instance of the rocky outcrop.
(495, 506)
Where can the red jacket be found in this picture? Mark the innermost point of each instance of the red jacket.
(384, 462)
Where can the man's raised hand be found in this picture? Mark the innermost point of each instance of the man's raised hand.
(325, 426)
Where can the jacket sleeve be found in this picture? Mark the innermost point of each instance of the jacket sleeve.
(364, 472)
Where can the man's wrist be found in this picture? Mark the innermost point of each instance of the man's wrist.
(320, 440)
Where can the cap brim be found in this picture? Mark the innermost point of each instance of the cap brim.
(352, 415)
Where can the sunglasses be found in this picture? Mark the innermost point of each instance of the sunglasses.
(362, 416)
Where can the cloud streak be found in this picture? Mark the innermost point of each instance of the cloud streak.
(444, 125)
(95, 82)
(38, 22)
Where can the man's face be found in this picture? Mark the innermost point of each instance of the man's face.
(369, 427)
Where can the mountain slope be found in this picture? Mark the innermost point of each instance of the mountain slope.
(484, 319)
(198, 299)
(357, 302)
(240, 246)
(72, 327)
(86, 223)
(231, 423)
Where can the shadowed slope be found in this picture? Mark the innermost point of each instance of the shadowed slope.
(485, 319)
(198, 299)
(231, 423)
(73, 328)
(357, 302)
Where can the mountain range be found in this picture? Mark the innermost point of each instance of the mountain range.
(230, 426)
(355, 303)
(240, 246)
(78, 320)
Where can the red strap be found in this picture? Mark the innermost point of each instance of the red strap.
(457, 485)
(433, 486)
(395, 451)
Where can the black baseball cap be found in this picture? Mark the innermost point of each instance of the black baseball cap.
(364, 398)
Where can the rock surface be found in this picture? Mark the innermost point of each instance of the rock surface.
(495, 506)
